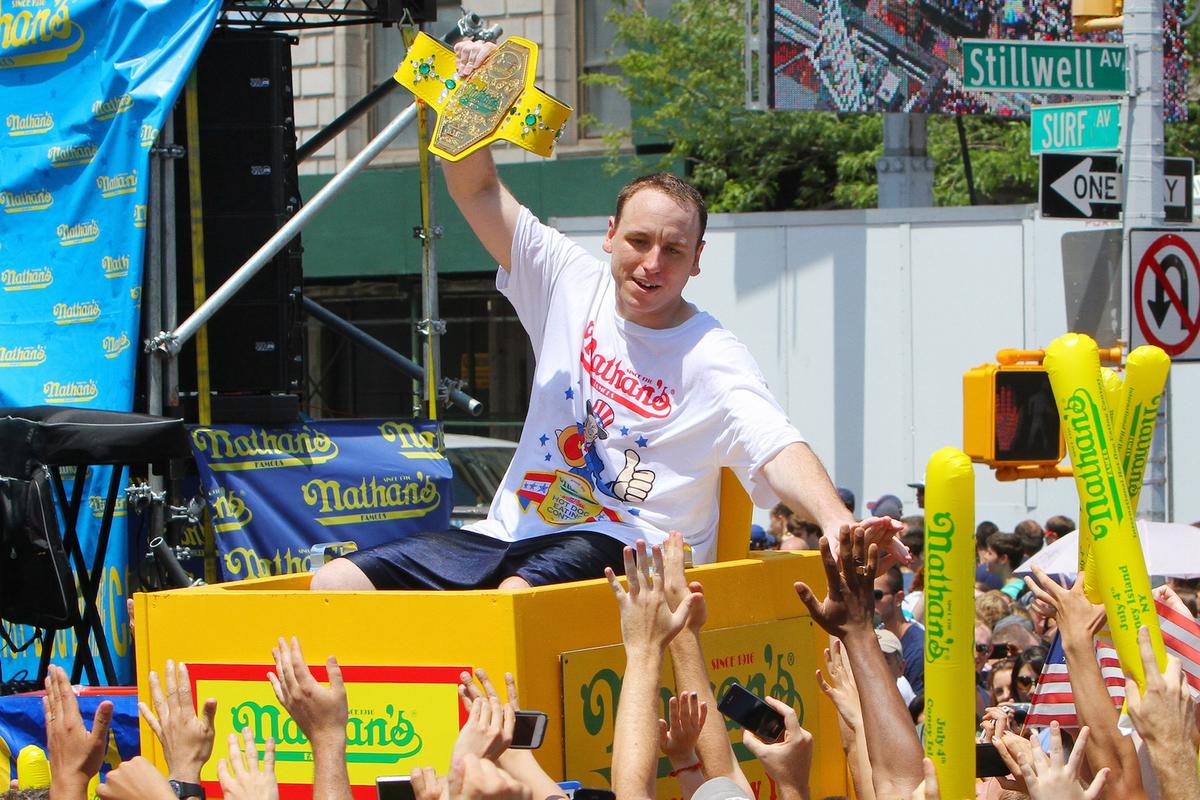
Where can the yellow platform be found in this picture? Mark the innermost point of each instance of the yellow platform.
(401, 652)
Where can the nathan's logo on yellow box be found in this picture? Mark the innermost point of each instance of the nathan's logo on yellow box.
(115, 345)
(22, 356)
(26, 279)
(110, 107)
(229, 510)
(75, 155)
(118, 184)
(79, 233)
(139, 215)
(400, 718)
(31, 38)
(21, 202)
(72, 392)
(413, 443)
(29, 124)
(96, 505)
(76, 313)
(147, 136)
(115, 266)
(262, 448)
(373, 499)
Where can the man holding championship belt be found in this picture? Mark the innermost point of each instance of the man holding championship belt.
(639, 398)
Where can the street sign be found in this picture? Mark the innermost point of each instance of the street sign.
(1089, 187)
(1166, 290)
(1010, 65)
(1075, 127)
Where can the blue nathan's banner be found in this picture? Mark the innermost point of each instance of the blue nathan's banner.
(274, 493)
(85, 86)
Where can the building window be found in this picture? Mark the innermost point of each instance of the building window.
(598, 48)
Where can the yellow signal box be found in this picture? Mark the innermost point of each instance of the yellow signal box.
(1009, 417)
(1097, 15)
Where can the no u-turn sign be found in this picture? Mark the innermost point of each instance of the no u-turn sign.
(1165, 291)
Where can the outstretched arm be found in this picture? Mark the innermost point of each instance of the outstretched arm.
(1165, 716)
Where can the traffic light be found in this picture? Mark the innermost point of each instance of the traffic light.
(1009, 416)
(1097, 15)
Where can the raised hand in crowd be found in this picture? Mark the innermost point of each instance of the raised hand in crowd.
(647, 626)
(848, 612)
(789, 760)
(428, 785)
(474, 778)
(928, 790)
(1165, 717)
(713, 750)
(1165, 594)
(1050, 778)
(677, 739)
(1078, 621)
(186, 737)
(842, 691)
(75, 752)
(488, 731)
(247, 778)
(136, 779)
(320, 711)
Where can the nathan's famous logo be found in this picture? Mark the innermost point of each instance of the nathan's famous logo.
(115, 345)
(110, 107)
(29, 124)
(22, 356)
(78, 233)
(115, 266)
(229, 511)
(20, 202)
(611, 377)
(385, 727)
(96, 505)
(413, 443)
(1101, 495)
(260, 448)
(118, 184)
(75, 155)
(1142, 419)
(148, 135)
(72, 392)
(35, 38)
(562, 498)
(371, 500)
(139, 215)
(25, 279)
(76, 313)
(939, 606)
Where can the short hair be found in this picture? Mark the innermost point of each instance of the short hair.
(895, 580)
(992, 606)
(1007, 546)
(1060, 524)
(982, 531)
(914, 534)
(780, 510)
(1031, 541)
(26, 794)
(1028, 527)
(672, 186)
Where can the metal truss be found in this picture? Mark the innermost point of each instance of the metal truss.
(281, 15)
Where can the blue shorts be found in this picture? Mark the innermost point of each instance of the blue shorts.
(458, 559)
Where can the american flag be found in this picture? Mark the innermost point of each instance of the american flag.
(1053, 699)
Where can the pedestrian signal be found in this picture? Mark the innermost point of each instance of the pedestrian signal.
(1009, 416)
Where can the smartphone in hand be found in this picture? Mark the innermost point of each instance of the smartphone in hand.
(529, 730)
(394, 787)
(752, 713)
(988, 763)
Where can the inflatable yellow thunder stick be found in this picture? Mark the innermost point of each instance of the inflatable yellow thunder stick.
(1135, 413)
(1114, 385)
(950, 620)
(1073, 364)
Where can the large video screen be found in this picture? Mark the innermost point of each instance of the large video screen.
(903, 55)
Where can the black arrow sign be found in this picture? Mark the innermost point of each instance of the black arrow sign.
(1161, 304)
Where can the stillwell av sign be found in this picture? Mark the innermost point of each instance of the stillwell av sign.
(1008, 65)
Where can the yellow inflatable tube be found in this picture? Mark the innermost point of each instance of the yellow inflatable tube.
(1135, 413)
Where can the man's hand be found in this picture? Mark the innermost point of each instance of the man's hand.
(678, 740)
(247, 780)
(75, 753)
(789, 760)
(470, 55)
(320, 711)
(488, 731)
(840, 687)
(1165, 713)
(1048, 778)
(1077, 616)
(473, 778)
(676, 585)
(647, 623)
(1165, 594)
(428, 785)
(136, 779)
(187, 739)
(850, 602)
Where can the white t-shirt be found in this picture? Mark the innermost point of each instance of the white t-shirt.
(627, 426)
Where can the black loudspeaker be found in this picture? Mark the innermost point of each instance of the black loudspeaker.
(249, 189)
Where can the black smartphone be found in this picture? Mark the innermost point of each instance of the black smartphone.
(752, 713)
(999, 651)
(988, 763)
(529, 730)
(594, 794)
(394, 787)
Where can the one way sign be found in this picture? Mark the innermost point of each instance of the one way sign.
(1078, 186)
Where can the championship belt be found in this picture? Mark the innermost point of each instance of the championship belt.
(498, 102)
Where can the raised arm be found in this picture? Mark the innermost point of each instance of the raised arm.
(1165, 716)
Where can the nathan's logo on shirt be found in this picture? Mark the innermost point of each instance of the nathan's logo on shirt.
(646, 397)
(96, 505)
(139, 215)
(115, 266)
(75, 155)
(73, 392)
(374, 500)
(119, 184)
(36, 38)
(260, 448)
(19, 202)
(229, 510)
(26, 279)
(107, 109)
(30, 356)
(29, 124)
(76, 313)
(148, 135)
(115, 345)
(78, 233)
(562, 498)
(413, 443)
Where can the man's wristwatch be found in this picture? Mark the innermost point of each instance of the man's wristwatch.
(183, 790)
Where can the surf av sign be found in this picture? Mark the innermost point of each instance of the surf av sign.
(1008, 65)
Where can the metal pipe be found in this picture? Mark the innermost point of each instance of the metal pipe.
(410, 368)
(170, 284)
(167, 342)
(152, 285)
(347, 118)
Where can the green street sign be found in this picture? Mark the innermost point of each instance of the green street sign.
(1075, 128)
(1010, 65)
